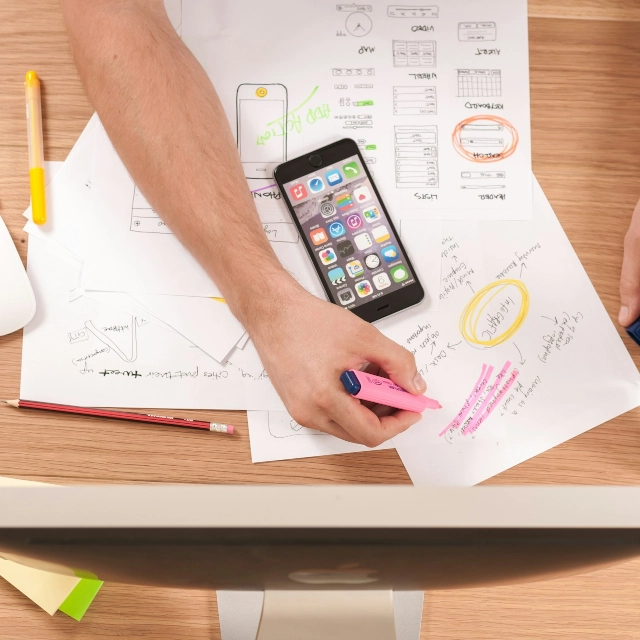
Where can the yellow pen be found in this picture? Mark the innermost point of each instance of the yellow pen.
(36, 148)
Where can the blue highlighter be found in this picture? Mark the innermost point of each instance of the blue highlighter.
(633, 331)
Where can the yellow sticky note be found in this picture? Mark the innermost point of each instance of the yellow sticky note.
(46, 588)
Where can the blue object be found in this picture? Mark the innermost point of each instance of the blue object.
(634, 331)
(350, 382)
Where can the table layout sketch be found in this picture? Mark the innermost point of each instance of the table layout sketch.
(414, 101)
(416, 154)
(414, 53)
(143, 218)
(479, 83)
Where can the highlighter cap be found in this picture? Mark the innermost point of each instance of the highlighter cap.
(350, 382)
(34, 120)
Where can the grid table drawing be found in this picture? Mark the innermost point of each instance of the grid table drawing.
(414, 53)
(416, 156)
(143, 218)
(414, 101)
(479, 83)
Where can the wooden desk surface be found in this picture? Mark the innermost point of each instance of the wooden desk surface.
(585, 93)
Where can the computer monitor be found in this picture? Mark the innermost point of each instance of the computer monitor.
(295, 542)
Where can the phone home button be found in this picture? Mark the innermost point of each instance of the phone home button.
(315, 160)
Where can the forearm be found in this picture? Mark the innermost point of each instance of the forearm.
(164, 118)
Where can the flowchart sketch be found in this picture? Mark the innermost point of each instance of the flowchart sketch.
(143, 218)
(414, 53)
(414, 101)
(416, 154)
(479, 83)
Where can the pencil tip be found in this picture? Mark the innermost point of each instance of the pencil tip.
(439, 406)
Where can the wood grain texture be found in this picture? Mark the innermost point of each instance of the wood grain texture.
(585, 89)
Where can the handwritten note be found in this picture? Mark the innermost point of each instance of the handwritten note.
(521, 353)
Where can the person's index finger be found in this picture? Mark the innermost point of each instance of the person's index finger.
(365, 426)
(630, 275)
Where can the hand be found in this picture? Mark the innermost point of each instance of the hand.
(630, 277)
(306, 343)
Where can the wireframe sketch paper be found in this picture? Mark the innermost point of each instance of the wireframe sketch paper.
(437, 96)
(128, 246)
(522, 354)
(83, 353)
(275, 435)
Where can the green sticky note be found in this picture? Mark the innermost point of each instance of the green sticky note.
(80, 598)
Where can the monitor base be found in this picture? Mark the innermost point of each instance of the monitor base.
(318, 615)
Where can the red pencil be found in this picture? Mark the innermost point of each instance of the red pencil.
(216, 427)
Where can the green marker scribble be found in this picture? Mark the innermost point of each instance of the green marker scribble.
(296, 109)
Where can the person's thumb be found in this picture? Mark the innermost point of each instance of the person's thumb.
(397, 362)
(630, 278)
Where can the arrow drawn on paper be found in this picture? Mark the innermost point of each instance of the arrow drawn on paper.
(522, 360)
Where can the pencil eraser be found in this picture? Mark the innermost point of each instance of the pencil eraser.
(633, 331)
(229, 428)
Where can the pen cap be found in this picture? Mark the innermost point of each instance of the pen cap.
(34, 120)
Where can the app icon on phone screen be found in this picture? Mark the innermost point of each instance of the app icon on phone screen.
(327, 210)
(354, 268)
(399, 273)
(298, 192)
(345, 248)
(319, 236)
(336, 229)
(351, 170)
(364, 289)
(328, 256)
(381, 234)
(354, 221)
(336, 276)
(315, 185)
(381, 281)
(344, 202)
(333, 177)
(363, 241)
(372, 261)
(371, 214)
(362, 194)
(346, 296)
(389, 253)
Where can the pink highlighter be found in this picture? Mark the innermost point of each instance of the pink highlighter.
(366, 386)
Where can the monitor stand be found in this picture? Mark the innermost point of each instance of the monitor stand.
(350, 614)
(318, 615)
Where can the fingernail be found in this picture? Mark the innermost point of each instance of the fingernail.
(624, 314)
(419, 383)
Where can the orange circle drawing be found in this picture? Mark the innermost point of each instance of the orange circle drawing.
(509, 145)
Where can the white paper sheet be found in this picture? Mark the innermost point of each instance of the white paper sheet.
(69, 196)
(437, 96)
(87, 354)
(208, 323)
(522, 354)
(275, 435)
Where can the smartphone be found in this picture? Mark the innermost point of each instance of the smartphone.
(261, 120)
(348, 233)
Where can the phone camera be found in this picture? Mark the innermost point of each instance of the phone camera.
(315, 160)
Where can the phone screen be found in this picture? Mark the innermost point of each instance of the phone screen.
(353, 243)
